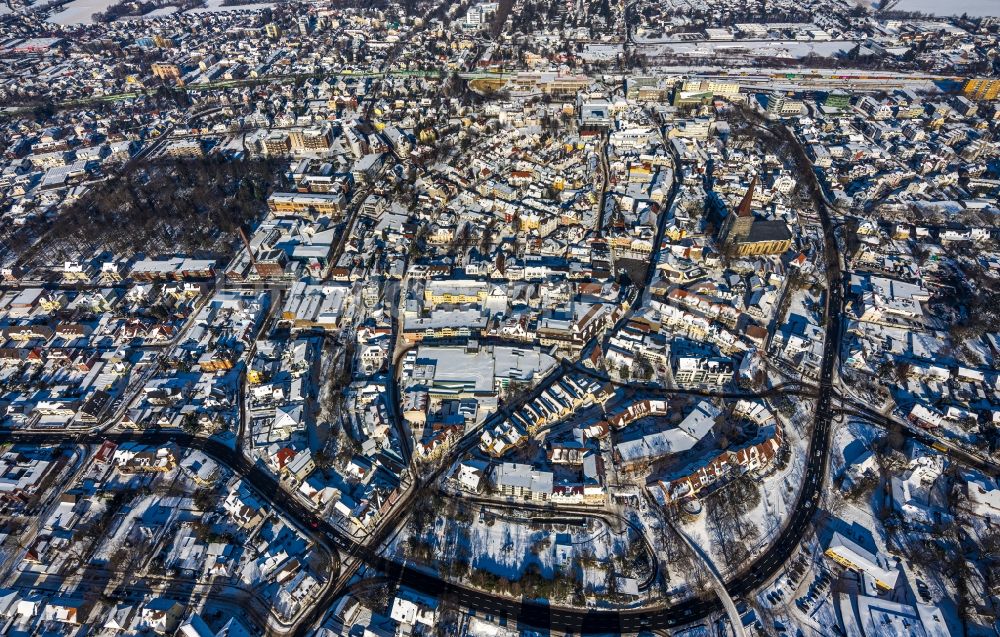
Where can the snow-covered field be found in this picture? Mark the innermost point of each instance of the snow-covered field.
(80, 12)
(958, 7)
(601, 52)
(215, 6)
(155, 13)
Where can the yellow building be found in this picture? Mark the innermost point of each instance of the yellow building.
(277, 143)
(166, 71)
(982, 89)
(216, 362)
(529, 221)
(721, 88)
(299, 203)
(310, 139)
(766, 237)
(849, 555)
(639, 174)
(455, 292)
(53, 303)
(675, 233)
(552, 83)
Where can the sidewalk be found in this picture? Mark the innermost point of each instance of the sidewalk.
(720, 587)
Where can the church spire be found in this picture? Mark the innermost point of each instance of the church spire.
(744, 209)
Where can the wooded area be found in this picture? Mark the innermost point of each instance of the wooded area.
(167, 206)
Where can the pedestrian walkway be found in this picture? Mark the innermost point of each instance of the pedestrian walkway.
(720, 587)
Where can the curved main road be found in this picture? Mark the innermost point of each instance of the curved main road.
(532, 612)
(529, 612)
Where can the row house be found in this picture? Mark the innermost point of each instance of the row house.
(756, 455)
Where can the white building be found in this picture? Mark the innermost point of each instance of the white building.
(523, 481)
(410, 608)
(850, 555)
(480, 13)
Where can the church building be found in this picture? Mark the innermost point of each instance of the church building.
(743, 234)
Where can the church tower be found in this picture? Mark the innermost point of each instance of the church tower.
(738, 223)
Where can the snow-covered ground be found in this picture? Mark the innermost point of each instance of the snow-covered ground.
(972, 7)
(601, 52)
(758, 48)
(80, 12)
(155, 13)
(779, 492)
(958, 7)
(850, 440)
(488, 629)
(507, 547)
(824, 614)
(215, 6)
(695, 631)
